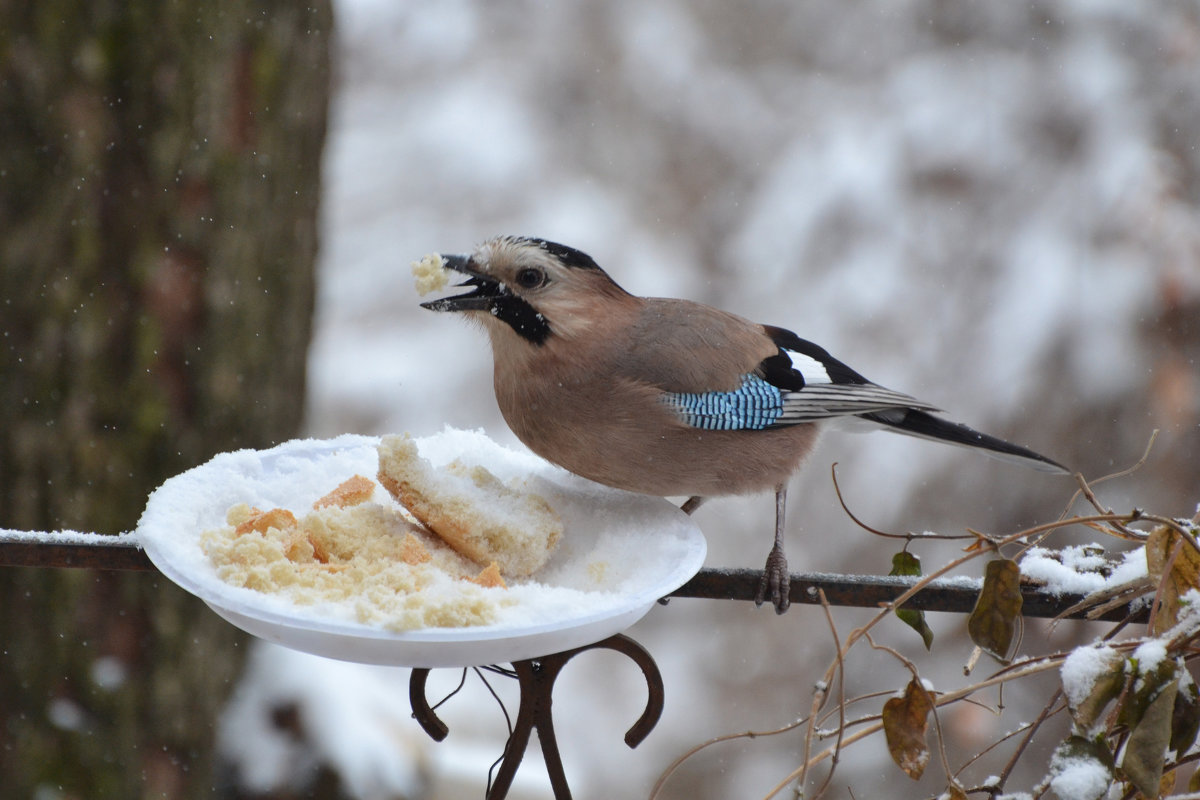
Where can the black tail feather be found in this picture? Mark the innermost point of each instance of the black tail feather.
(927, 426)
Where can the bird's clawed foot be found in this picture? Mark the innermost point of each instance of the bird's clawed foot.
(776, 581)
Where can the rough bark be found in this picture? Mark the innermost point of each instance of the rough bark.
(159, 175)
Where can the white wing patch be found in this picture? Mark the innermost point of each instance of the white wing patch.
(812, 370)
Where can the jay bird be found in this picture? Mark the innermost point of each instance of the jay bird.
(668, 397)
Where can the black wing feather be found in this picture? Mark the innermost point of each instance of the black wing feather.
(926, 426)
(848, 392)
(838, 372)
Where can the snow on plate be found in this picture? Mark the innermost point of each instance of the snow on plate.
(620, 553)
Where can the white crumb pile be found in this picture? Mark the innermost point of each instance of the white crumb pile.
(366, 556)
(430, 273)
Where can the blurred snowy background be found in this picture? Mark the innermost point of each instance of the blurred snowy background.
(991, 206)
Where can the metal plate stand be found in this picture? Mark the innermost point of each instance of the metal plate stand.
(536, 680)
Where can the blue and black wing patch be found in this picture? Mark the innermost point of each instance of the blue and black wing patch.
(801, 382)
(754, 405)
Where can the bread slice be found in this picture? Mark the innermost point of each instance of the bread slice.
(471, 509)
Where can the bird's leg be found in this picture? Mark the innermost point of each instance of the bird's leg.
(776, 580)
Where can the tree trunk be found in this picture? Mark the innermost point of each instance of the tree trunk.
(159, 176)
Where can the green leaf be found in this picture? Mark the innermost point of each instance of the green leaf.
(993, 622)
(905, 563)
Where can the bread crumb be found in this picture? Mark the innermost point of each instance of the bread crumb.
(430, 273)
(319, 553)
(393, 573)
(490, 578)
(412, 551)
(471, 509)
(349, 492)
(298, 548)
(260, 521)
(239, 513)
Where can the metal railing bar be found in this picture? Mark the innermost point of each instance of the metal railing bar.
(73, 549)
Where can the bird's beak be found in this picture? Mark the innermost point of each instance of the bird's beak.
(484, 289)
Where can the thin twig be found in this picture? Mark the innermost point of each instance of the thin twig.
(861, 698)
(1032, 667)
(1086, 490)
(929, 696)
(728, 737)
(910, 536)
(841, 730)
(1103, 600)
(1182, 530)
(872, 723)
(1162, 584)
(1047, 711)
(1022, 728)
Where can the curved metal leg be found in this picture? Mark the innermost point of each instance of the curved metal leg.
(536, 679)
(424, 715)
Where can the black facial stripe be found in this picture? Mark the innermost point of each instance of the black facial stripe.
(521, 317)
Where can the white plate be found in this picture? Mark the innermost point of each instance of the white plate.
(646, 545)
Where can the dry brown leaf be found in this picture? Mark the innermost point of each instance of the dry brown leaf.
(1165, 786)
(1174, 563)
(904, 722)
(993, 622)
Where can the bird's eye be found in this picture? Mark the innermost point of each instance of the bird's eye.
(531, 278)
